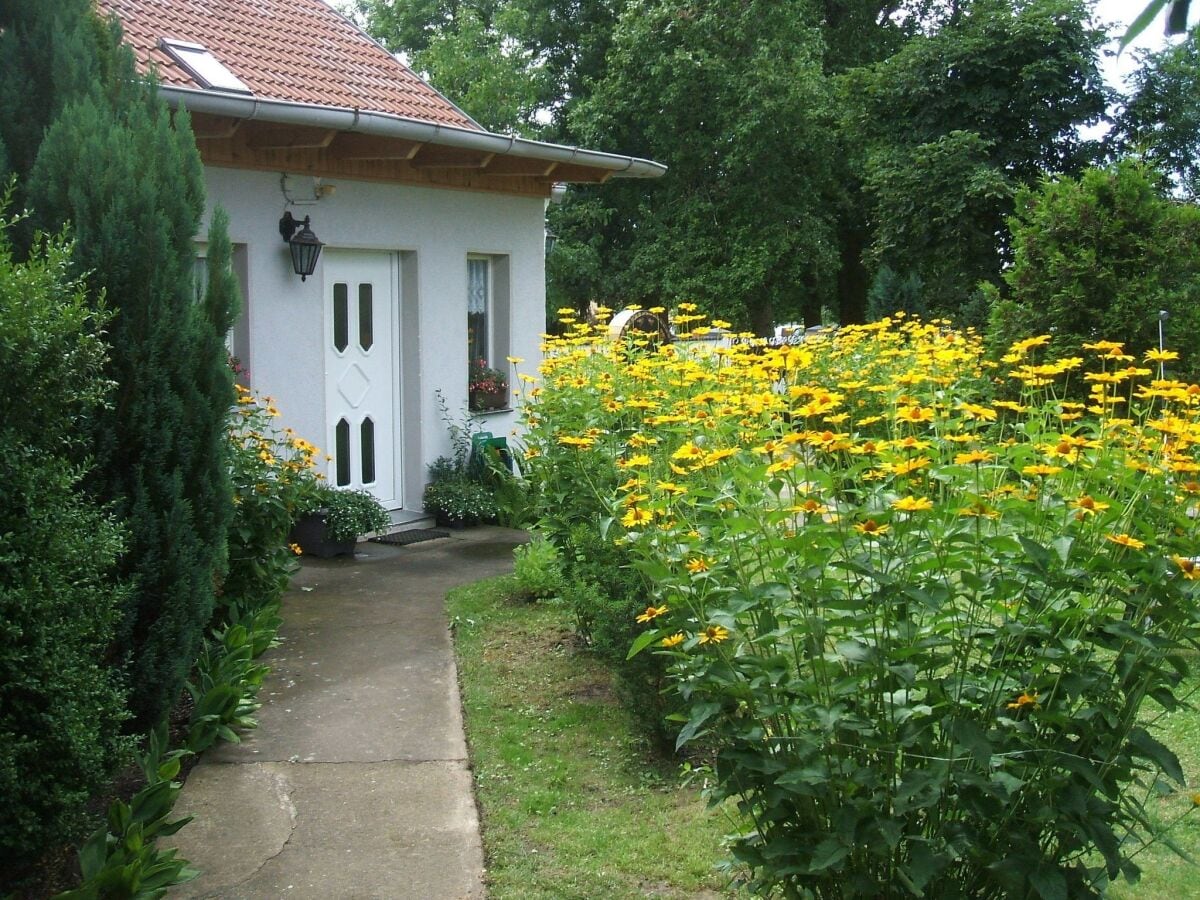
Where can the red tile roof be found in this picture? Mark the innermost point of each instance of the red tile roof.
(297, 50)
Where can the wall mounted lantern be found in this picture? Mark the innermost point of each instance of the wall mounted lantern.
(305, 246)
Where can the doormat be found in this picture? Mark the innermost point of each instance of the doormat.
(411, 536)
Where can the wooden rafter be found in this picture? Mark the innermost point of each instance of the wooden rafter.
(582, 174)
(211, 128)
(431, 157)
(517, 165)
(349, 145)
(265, 136)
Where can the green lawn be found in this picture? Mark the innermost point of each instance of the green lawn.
(1164, 873)
(574, 804)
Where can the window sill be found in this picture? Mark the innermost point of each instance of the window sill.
(491, 412)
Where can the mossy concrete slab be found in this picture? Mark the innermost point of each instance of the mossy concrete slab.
(332, 830)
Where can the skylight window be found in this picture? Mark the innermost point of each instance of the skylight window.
(203, 66)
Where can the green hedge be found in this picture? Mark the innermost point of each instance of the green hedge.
(60, 708)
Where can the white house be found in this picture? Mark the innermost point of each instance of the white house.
(433, 228)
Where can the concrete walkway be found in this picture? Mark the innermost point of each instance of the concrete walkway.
(356, 783)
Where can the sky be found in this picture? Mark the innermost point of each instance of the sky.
(1125, 11)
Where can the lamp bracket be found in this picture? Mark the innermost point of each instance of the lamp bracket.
(301, 190)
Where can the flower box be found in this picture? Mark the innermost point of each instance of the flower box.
(481, 401)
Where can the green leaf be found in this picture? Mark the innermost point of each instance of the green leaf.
(854, 651)
(644, 640)
(1049, 882)
(93, 853)
(923, 864)
(1062, 547)
(1035, 553)
(828, 853)
(1141, 23)
(700, 713)
(1148, 748)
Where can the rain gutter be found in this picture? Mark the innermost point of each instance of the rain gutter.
(286, 112)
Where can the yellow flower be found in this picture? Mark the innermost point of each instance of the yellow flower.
(1026, 699)
(871, 528)
(979, 510)
(295, 548)
(974, 411)
(1088, 506)
(673, 640)
(1161, 355)
(914, 414)
(974, 457)
(913, 504)
(1126, 540)
(636, 516)
(515, 360)
(634, 461)
(909, 465)
(568, 440)
(811, 507)
(1041, 469)
(651, 613)
(697, 564)
(670, 487)
(1188, 567)
(714, 634)
(711, 459)
(1020, 348)
(688, 451)
(1010, 406)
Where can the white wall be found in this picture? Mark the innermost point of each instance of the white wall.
(436, 229)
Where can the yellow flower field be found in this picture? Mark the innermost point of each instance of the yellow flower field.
(913, 596)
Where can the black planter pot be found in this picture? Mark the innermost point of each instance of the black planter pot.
(309, 533)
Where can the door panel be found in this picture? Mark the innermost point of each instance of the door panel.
(362, 372)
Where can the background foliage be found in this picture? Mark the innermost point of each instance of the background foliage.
(1103, 254)
(810, 144)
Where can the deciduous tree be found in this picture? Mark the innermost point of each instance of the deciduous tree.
(1161, 119)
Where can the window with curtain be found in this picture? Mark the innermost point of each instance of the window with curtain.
(478, 303)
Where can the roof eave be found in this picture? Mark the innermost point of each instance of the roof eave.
(286, 112)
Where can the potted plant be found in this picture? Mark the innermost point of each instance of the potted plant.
(459, 502)
(487, 387)
(332, 520)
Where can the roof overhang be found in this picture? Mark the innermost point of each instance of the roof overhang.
(240, 130)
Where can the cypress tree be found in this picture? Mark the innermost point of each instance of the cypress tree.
(110, 162)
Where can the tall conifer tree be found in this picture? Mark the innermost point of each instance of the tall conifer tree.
(101, 153)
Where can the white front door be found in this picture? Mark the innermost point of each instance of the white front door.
(362, 372)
